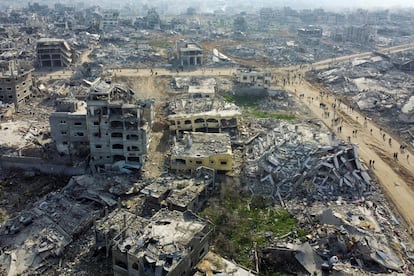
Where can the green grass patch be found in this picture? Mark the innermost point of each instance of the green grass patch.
(243, 101)
(261, 114)
(163, 45)
(250, 108)
(241, 222)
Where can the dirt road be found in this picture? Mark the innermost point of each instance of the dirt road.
(154, 72)
(396, 177)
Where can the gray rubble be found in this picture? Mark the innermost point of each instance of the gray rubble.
(380, 86)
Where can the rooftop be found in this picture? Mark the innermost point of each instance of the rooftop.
(165, 240)
(202, 105)
(53, 41)
(190, 47)
(202, 144)
(182, 192)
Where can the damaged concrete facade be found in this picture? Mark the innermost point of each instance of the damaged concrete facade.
(68, 127)
(109, 19)
(211, 115)
(212, 150)
(189, 53)
(53, 52)
(39, 236)
(112, 124)
(171, 244)
(15, 84)
(252, 82)
(118, 126)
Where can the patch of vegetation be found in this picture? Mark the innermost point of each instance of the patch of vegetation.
(2, 217)
(243, 221)
(163, 45)
(261, 114)
(250, 108)
(243, 101)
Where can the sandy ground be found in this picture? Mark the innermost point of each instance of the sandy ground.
(395, 177)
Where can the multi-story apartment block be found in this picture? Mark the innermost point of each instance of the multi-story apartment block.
(52, 52)
(15, 84)
(112, 125)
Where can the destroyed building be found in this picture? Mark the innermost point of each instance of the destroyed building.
(113, 124)
(188, 53)
(355, 34)
(53, 52)
(194, 87)
(171, 244)
(151, 21)
(310, 32)
(38, 237)
(15, 83)
(118, 126)
(68, 127)
(205, 89)
(252, 82)
(379, 86)
(203, 115)
(212, 150)
(179, 194)
(108, 19)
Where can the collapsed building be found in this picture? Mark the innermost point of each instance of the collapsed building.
(53, 52)
(109, 19)
(212, 115)
(152, 20)
(324, 185)
(172, 243)
(195, 88)
(379, 86)
(188, 53)
(310, 32)
(38, 237)
(112, 125)
(180, 194)
(212, 150)
(68, 127)
(15, 83)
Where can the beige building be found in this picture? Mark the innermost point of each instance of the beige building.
(212, 115)
(248, 78)
(189, 54)
(16, 83)
(212, 150)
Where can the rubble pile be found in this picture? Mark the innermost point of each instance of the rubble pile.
(322, 183)
(36, 238)
(277, 153)
(324, 174)
(351, 237)
(380, 86)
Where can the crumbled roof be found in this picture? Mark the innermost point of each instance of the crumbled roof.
(202, 144)
(202, 105)
(165, 240)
